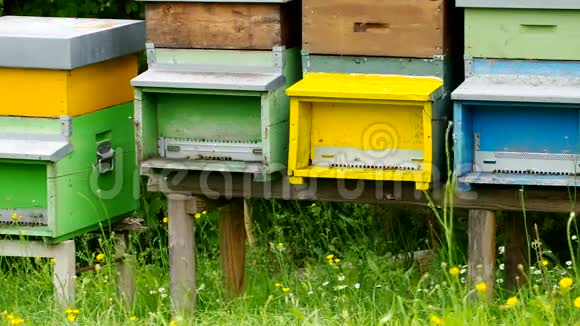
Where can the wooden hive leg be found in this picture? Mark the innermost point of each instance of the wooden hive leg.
(481, 231)
(248, 222)
(516, 252)
(126, 269)
(64, 272)
(181, 255)
(232, 246)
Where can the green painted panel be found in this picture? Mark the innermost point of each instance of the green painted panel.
(209, 117)
(30, 125)
(522, 33)
(214, 57)
(276, 149)
(23, 185)
(146, 118)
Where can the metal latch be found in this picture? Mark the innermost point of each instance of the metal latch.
(105, 157)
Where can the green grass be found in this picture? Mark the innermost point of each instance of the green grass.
(372, 284)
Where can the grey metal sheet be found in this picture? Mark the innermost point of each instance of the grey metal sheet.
(66, 43)
(525, 4)
(209, 80)
(519, 88)
(31, 149)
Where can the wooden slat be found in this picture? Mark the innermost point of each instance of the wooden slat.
(232, 249)
(215, 185)
(374, 27)
(221, 25)
(481, 249)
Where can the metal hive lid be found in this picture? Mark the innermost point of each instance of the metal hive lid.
(66, 43)
(520, 4)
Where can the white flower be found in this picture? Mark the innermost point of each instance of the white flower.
(201, 287)
(499, 280)
(537, 272)
(341, 278)
(152, 292)
(378, 286)
(501, 250)
(310, 292)
(463, 270)
(569, 263)
(357, 285)
(325, 283)
(340, 287)
(161, 290)
(574, 237)
(501, 266)
(163, 295)
(462, 280)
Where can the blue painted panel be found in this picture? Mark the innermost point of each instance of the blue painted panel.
(462, 139)
(527, 129)
(517, 179)
(526, 67)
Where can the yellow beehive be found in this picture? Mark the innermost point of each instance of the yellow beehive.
(51, 93)
(371, 127)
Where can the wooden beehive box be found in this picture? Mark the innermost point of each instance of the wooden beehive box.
(372, 127)
(397, 28)
(67, 152)
(71, 66)
(225, 24)
(517, 122)
(215, 110)
(522, 29)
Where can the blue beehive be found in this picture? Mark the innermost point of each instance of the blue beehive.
(518, 122)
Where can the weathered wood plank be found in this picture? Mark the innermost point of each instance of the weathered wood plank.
(221, 25)
(217, 185)
(369, 27)
(481, 248)
(516, 252)
(126, 270)
(232, 249)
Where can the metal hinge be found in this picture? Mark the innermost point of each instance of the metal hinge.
(151, 58)
(66, 126)
(279, 58)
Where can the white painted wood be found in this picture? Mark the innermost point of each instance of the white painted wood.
(34, 149)
(126, 269)
(519, 88)
(208, 80)
(524, 4)
(66, 43)
(181, 255)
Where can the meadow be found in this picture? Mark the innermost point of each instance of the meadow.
(311, 264)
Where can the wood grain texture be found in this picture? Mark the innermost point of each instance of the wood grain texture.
(481, 248)
(232, 238)
(238, 185)
(255, 26)
(375, 27)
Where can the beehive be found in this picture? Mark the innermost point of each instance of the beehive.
(67, 152)
(215, 110)
(371, 127)
(223, 24)
(516, 119)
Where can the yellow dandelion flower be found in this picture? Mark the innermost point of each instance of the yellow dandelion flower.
(313, 205)
(512, 301)
(10, 317)
(454, 271)
(166, 220)
(330, 257)
(101, 257)
(285, 290)
(197, 216)
(577, 302)
(545, 263)
(566, 283)
(481, 287)
(172, 323)
(132, 318)
(15, 217)
(277, 285)
(280, 244)
(436, 320)
(204, 212)
(76, 311)
(336, 260)
(71, 317)
(17, 322)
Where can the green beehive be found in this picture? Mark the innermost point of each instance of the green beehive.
(66, 167)
(215, 110)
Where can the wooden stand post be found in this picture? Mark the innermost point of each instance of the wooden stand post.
(248, 222)
(126, 269)
(232, 246)
(482, 248)
(64, 269)
(516, 252)
(181, 255)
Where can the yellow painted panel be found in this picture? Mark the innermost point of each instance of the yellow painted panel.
(378, 87)
(367, 126)
(102, 85)
(299, 145)
(53, 93)
(33, 92)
